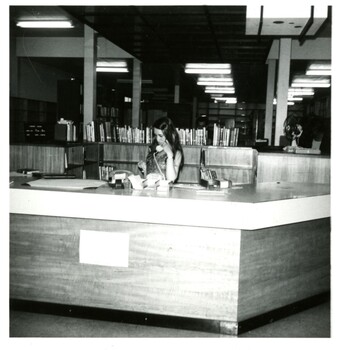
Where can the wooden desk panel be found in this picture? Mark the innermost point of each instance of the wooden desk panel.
(49, 159)
(293, 168)
(173, 270)
(282, 265)
(220, 258)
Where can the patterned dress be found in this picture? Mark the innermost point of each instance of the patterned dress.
(157, 163)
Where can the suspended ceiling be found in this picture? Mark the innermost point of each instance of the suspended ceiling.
(164, 38)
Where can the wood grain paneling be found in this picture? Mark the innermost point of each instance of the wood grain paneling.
(293, 168)
(173, 270)
(189, 174)
(43, 158)
(282, 265)
(71, 158)
(233, 163)
(124, 152)
(75, 155)
(232, 156)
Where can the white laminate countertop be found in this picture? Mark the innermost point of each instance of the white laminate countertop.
(247, 207)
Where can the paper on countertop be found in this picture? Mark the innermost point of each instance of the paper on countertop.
(136, 182)
(74, 184)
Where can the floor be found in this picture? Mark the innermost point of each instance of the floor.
(311, 323)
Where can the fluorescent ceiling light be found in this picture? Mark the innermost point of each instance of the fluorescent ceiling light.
(112, 69)
(111, 66)
(307, 79)
(309, 84)
(301, 91)
(207, 71)
(216, 95)
(208, 65)
(212, 81)
(208, 68)
(215, 91)
(318, 72)
(320, 65)
(219, 89)
(215, 83)
(45, 24)
(305, 93)
(211, 78)
(291, 98)
(319, 68)
(289, 103)
(111, 63)
(227, 99)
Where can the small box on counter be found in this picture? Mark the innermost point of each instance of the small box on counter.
(215, 183)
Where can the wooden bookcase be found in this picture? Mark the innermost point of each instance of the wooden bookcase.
(237, 164)
(26, 111)
(241, 165)
(79, 159)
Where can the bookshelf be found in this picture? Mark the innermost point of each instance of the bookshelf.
(70, 100)
(238, 164)
(230, 116)
(80, 160)
(26, 114)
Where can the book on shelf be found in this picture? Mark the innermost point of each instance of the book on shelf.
(193, 136)
(65, 130)
(223, 136)
(105, 172)
(107, 112)
(107, 131)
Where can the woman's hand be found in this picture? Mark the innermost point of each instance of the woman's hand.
(166, 148)
(142, 166)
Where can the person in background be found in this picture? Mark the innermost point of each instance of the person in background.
(165, 156)
(316, 135)
(202, 121)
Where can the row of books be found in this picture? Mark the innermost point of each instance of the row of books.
(193, 136)
(105, 172)
(227, 137)
(103, 111)
(98, 131)
(65, 130)
(106, 131)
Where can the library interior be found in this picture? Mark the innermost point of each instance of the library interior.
(231, 232)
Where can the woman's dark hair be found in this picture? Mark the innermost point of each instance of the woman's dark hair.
(169, 131)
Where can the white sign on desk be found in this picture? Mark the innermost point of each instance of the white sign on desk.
(104, 248)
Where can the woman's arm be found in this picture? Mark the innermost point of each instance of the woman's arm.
(173, 166)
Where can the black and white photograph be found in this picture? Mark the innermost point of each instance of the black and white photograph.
(170, 174)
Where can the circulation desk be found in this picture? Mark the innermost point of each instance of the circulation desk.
(224, 257)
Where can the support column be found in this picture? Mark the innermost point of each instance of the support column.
(194, 111)
(270, 93)
(137, 87)
(177, 94)
(282, 86)
(177, 88)
(14, 84)
(89, 77)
